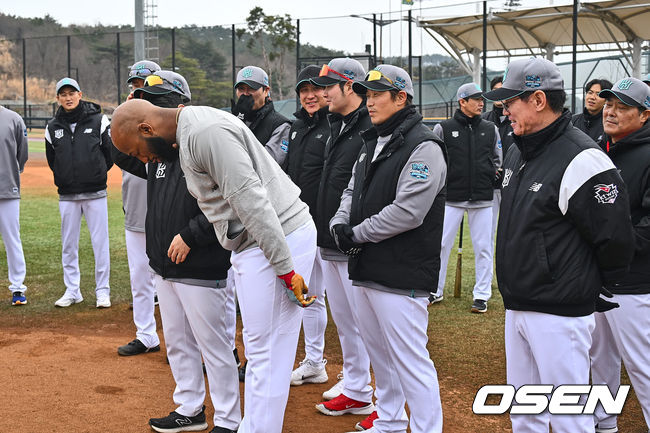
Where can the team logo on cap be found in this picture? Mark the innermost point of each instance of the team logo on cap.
(647, 102)
(266, 81)
(606, 193)
(349, 74)
(400, 82)
(625, 84)
(533, 81)
(247, 73)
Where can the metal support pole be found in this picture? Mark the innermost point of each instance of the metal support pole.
(410, 45)
(420, 83)
(25, 78)
(173, 48)
(117, 43)
(485, 47)
(374, 38)
(297, 48)
(69, 66)
(234, 67)
(575, 56)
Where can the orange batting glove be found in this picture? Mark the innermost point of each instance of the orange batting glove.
(296, 288)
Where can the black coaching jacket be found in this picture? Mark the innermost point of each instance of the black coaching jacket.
(341, 153)
(307, 139)
(631, 155)
(80, 160)
(564, 227)
(172, 210)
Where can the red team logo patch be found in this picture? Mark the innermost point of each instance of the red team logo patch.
(606, 193)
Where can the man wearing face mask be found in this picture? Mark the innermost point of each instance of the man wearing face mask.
(475, 156)
(255, 108)
(307, 139)
(590, 121)
(78, 150)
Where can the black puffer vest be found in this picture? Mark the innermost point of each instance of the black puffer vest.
(470, 145)
(266, 121)
(411, 260)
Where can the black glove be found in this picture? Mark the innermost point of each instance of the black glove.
(601, 304)
(343, 237)
(498, 178)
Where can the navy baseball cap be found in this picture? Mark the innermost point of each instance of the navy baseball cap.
(67, 81)
(384, 78)
(339, 70)
(253, 77)
(164, 82)
(306, 74)
(527, 75)
(630, 91)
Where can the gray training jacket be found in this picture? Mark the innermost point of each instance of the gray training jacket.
(241, 190)
(13, 152)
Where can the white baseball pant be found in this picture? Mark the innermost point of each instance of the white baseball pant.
(96, 213)
(496, 204)
(194, 325)
(314, 318)
(272, 325)
(480, 228)
(231, 309)
(10, 231)
(623, 333)
(394, 330)
(543, 349)
(141, 288)
(356, 363)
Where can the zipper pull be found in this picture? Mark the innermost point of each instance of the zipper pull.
(521, 168)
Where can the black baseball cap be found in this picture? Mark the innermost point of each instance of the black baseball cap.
(306, 74)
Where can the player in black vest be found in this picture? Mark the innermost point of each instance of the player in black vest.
(475, 156)
(390, 223)
(255, 108)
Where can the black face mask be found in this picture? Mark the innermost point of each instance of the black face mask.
(244, 107)
(162, 149)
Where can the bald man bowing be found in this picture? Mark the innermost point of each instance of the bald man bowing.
(257, 214)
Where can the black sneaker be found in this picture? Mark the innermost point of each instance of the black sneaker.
(479, 306)
(242, 372)
(236, 355)
(155, 300)
(222, 430)
(175, 422)
(136, 347)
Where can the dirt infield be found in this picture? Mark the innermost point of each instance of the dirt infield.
(62, 373)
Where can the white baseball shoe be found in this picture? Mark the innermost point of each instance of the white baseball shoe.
(309, 372)
(68, 299)
(336, 390)
(103, 298)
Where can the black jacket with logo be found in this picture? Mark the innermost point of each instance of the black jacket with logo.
(564, 227)
(341, 153)
(631, 155)
(410, 260)
(590, 124)
(470, 146)
(266, 121)
(80, 160)
(307, 139)
(172, 210)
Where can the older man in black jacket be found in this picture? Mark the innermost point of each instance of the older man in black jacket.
(564, 232)
(622, 333)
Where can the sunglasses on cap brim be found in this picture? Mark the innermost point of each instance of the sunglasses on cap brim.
(140, 73)
(326, 69)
